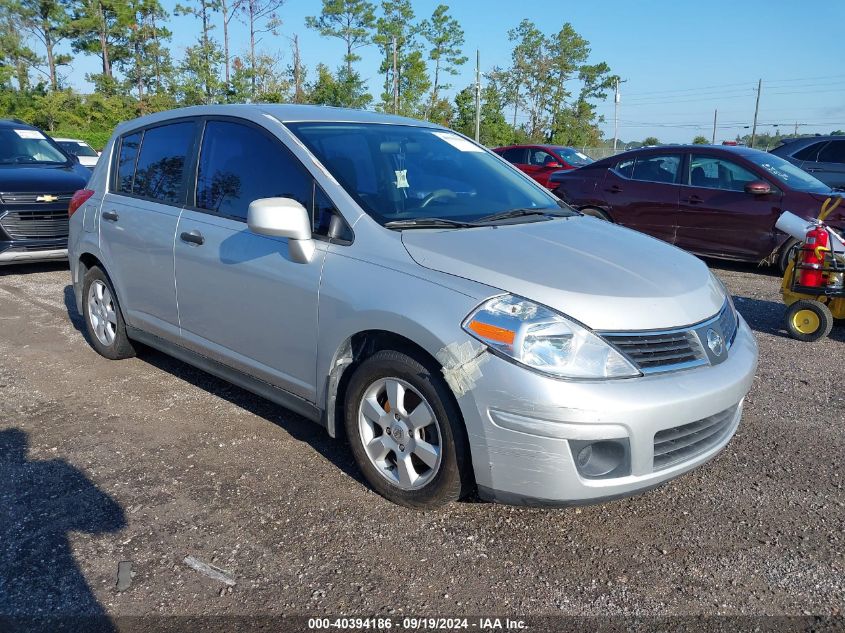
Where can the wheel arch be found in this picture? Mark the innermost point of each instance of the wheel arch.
(354, 350)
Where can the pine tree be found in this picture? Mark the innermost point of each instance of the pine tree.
(349, 20)
(446, 37)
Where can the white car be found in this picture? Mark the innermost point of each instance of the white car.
(86, 154)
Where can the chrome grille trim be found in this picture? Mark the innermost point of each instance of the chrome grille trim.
(44, 224)
(32, 198)
(655, 351)
(681, 443)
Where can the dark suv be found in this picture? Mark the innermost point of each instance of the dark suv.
(37, 180)
(822, 156)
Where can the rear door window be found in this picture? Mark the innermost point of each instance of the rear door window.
(834, 152)
(239, 163)
(159, 173)
(515, 155)
(625, 168)
(808, 153)
(657, 168)
(126, 162)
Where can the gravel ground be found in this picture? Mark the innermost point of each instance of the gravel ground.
(150, 461)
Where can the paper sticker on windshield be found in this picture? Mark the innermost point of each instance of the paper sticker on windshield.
(458, 142)
(29, 134)
(582, 156)
(402, 179)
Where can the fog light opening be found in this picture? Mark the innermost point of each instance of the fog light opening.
(601, 459)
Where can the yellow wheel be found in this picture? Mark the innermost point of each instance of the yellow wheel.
(809, 320)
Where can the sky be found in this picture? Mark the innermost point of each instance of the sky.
(680, 59)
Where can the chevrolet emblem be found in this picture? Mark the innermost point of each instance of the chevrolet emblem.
(46, 198)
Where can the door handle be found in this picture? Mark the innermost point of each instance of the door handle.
(193, 237)
(693, 200)
(614, 189)
(111, 216)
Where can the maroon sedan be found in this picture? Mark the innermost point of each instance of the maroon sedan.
(541, 161)
(713, 201)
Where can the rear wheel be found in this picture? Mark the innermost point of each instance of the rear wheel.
(596, 213)
(809, 320)
(103, 318)
(405, 431)
(787, 252)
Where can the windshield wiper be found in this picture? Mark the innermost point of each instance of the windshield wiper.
(429, 223)
(517, 213)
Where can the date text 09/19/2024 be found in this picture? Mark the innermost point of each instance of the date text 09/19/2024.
(419, 624)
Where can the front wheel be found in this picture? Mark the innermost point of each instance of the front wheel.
(405, 431)
(809, 320)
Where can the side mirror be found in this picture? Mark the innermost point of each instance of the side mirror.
(758, 188)
(283, 217)
(553, 164)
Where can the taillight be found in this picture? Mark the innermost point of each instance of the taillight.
(78, 199)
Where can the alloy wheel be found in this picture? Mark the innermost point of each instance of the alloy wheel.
(400, 433)
(101, 313)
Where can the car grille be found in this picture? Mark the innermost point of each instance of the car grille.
(678, 444)
(27, 217)
(671, 350)
(660, 351)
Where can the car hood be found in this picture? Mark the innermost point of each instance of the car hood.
(43, 178)
(605, 276)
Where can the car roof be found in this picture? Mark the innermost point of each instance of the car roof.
(285, 113)
(656, 149)
(17, 123)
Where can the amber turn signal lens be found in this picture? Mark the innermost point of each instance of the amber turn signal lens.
(492, 332)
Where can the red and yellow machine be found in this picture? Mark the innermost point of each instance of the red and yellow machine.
(814, 282)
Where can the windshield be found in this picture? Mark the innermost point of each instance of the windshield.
(573, 156)
(77, 148)
(25, 147)
(790, 175)
(399, 172)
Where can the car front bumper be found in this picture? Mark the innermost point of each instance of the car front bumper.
(24, 251)
(521, 423)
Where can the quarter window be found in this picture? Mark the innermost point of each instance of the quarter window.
(718, 173)
(239, 164)
(659, 168)
(625, 168)
(808, 153)
(833, 153)
(126, 162)
(161, 162)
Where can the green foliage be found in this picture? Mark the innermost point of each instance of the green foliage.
(548, 93)
(446, 37)
(700, 140)
(651, 140)
(350, 20)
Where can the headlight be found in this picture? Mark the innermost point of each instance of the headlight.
(542, 339)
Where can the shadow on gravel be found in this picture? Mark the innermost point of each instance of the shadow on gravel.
(73, 316)
(41, 587)
(762, 316)
(298, 427)
(27, 269)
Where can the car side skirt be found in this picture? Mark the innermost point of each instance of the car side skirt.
(260, 388)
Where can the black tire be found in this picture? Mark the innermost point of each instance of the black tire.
(596, 213)
(786, 253)
(453, 479)
(119, 348)
(808, 329)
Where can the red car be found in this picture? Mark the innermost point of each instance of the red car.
(713, 201)
(541, 161)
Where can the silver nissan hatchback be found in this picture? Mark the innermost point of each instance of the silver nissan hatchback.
(400, 284)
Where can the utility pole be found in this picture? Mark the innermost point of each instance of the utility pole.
(715, 116)
(395, 81)
(756, 111)
(795, 134)
(477, 96)
(616, 98)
